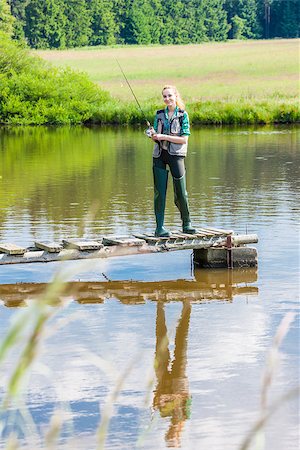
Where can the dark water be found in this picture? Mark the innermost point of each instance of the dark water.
(204, 390)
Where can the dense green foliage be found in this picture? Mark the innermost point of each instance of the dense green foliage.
(6, 19)
(284, 18)
(75, 23)
(32, 92)
(44, 24)
(104, 27)
(243, 17)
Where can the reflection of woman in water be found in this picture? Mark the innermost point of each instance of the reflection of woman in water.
(171, 396)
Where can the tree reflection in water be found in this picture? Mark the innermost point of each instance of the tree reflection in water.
(171, 396)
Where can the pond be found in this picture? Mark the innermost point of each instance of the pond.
(189, 345)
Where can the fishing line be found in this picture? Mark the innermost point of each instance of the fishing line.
(138, 103)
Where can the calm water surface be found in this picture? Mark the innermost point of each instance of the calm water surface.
(204, 390)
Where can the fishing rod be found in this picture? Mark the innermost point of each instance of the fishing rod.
(148, 131)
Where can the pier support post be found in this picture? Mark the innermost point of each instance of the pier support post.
(218, 257)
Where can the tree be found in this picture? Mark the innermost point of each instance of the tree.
(198, 32)
(45, 24)
(77, 25)
(103, 23)
(290, 23)
(237, 27)
(139, 25)
(156, 21)
(119, 8)
(6, 19)
(242, 16)
(182, 14)
(284, 18)
(215, 20)
(18, 11)
(178, 21)
(142, 22)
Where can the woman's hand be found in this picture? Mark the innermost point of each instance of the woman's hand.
(159, 137)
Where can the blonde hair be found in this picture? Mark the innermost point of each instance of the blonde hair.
(179, 101)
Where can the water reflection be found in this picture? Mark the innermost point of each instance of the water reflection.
(207, 285)
(171, 396)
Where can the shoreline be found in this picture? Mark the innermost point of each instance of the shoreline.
(239, 112)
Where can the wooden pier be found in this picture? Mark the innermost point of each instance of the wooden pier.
(212, 247)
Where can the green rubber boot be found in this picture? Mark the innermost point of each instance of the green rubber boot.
(160, 191)
(181, 201)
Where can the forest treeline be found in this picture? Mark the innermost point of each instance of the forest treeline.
(76, 23)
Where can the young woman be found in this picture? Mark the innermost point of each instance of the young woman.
(171, 130)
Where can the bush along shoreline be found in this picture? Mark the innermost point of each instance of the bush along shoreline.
(32, 92)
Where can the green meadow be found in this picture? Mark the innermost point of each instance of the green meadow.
(236, 81)
(212, 71)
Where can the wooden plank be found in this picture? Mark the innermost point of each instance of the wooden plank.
(205, 232)
(123, 240)
(151, 238)
(210, 232)
(12, 249)
(217, 230)
(140, 236)
(49, 246)
(199, 234)
(82, 244)
(154, 241)
(175, 238)
(239, 239)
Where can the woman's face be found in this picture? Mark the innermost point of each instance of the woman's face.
(169, 97)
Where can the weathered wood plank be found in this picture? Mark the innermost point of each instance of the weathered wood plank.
(244, 239)
(82, 244)
(49, 246)
(217, 230)
(188, 236)
(205, 232)
(123, 240)
(12, 249)
(151, 239)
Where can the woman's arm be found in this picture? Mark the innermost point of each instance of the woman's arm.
(168, 137)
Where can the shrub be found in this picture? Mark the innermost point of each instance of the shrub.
(33, 92)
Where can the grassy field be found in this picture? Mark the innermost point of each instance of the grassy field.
(252, 70)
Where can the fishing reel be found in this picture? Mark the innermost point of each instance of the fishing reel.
(150, 131)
